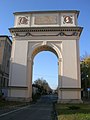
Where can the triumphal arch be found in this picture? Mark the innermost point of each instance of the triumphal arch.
(36, 31)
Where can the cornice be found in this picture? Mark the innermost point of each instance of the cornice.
(62, 31)
(44, 11)
(43, 29)
(48, 11)
(5, 36)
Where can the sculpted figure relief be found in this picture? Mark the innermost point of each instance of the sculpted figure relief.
(68, 19)
(23, 20)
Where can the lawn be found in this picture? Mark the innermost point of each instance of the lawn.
(73, 111)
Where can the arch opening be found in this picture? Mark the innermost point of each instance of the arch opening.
(51, 62)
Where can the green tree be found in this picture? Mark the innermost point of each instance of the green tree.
(85, 73)
(43, 84)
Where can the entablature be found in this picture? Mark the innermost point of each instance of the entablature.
(46, 31)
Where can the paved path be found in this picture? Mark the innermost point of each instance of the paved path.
(39, 111)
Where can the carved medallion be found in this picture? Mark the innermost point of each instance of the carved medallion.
(23, 20)
(67, 19)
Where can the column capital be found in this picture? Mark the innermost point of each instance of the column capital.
(29, 59)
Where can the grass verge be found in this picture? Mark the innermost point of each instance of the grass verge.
(73, 111)
(4, 103)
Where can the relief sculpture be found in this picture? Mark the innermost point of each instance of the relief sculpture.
(23, 20)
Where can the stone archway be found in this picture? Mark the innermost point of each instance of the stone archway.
(30, 62)
(55, 31)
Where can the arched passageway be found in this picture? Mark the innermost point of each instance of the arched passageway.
(37, 51)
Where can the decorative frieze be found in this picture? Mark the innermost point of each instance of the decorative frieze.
(59, 34)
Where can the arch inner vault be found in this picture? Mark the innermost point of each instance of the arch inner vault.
(55, 31)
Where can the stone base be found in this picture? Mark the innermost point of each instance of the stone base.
(70, 101)
(20, 99)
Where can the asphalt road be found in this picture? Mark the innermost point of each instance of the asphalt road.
(39, 111)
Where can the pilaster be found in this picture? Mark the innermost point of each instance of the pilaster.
(29, 77)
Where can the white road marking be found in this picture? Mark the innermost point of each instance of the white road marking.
(14, 111)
